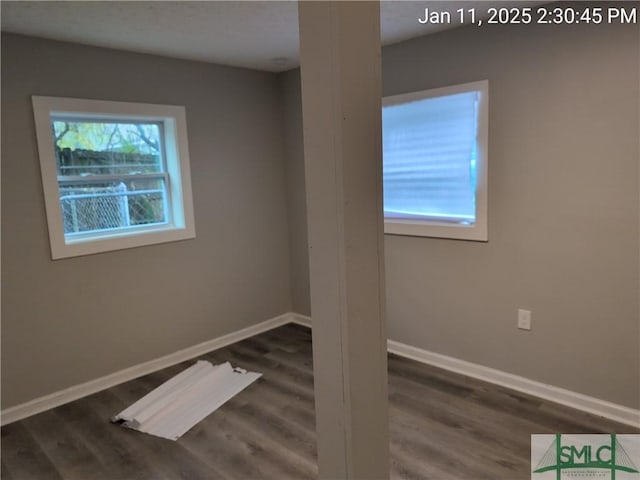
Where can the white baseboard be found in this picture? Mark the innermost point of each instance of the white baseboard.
(75, 392)
(300, 319)
(579, 401)
(559, 395)
(603, 408)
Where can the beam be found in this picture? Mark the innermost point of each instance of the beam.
(341, 104)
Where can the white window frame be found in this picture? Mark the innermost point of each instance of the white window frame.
(477, 231)
(180, 225)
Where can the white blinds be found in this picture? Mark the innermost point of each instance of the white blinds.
(429, 150)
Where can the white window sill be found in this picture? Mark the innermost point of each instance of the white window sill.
(119, 240)
(475, 232)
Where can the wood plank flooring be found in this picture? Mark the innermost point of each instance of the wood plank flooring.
(444, 426)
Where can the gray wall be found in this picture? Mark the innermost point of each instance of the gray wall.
(70, 321)
(563, 209)
(296, 196)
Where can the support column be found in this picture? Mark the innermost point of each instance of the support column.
(341, 104)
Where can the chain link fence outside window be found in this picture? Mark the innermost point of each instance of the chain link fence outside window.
(90, 208)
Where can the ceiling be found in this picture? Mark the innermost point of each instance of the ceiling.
(261, 35)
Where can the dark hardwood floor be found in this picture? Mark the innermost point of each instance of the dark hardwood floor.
(444, 426)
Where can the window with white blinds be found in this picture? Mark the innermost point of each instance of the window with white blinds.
(435, 162)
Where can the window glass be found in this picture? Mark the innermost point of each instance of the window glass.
(110, 175)
(434, 160)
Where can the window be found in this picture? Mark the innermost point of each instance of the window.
(115, 175)
(435, 162)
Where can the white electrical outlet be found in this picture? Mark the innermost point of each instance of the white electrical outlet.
(524, 319)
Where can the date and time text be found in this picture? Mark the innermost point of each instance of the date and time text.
(532, 15)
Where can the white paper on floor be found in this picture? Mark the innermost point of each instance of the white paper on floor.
(174, 407)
